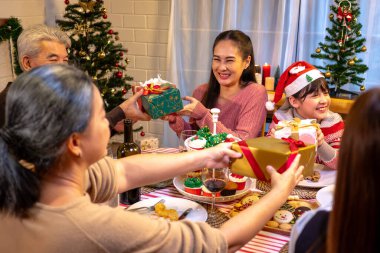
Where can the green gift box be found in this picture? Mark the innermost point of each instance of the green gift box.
(263, 151)
(167, 101)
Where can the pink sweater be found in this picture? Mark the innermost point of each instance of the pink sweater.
(242, 116)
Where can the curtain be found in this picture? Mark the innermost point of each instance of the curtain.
(282, 32)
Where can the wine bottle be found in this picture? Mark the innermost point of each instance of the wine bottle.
(129, 148)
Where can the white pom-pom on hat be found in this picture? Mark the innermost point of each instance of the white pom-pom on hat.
(269, 105)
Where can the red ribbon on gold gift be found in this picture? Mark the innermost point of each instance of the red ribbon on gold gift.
(154, 89)
(293, 146)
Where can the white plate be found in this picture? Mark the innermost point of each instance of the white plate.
(325, 196)
(178, 183)
(327, 177)
(198, 213)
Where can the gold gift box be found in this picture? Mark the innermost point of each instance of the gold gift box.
(269, 151)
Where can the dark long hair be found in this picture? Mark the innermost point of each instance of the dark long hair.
(244, 44)
(43, 108)
(354, 222)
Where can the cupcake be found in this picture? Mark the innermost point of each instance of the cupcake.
(207, 193)
(240, 180)
(193, 185)
(230, 189)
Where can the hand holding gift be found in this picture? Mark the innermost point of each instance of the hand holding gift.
(160, 97)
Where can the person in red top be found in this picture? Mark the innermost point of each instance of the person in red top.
(232, 88)
(307, 97)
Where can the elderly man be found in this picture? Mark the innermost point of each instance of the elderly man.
(40, 45)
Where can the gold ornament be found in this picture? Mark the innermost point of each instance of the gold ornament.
(94, 78)
(88, 58)
(101, 54)
(318, 50)
(82, 53)
(328, 74)
(87, 6)
(331, 16)
(104, 10)
(351, 62)
(117, 37)
(356, 58)
(127, 61)
(364, 48)
(359, 33)
(362, 88)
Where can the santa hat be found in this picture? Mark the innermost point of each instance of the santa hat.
(295, 78)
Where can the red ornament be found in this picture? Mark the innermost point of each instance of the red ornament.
(121, 53)
(105, 17)
(119, 74)
(116, 64)
(110, 31)
(67, 1)
(142, 133)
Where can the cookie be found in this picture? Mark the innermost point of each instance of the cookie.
(283, 216)
(285, 226)
(272, 224)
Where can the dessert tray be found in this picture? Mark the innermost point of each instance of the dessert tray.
(284, 218)
(178, 184)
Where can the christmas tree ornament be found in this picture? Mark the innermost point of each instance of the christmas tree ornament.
(104, 10)
(142, 133)
(116, 64)
(318, 50)
(119, 74)
(82, 53)
(127, 61)
(88, 58)
(364, 48)
(362, 88)
(87, 6)
(105, 16)
(94, 78)
(328, 74)
(124, 91)
(331, 16)
(110, 31)
(325, 48)
(121, 53)
(67, 2)
(117, 37)
(351, 62)
(113, 90)
(356, 58)
(101, 54)
(359, 33)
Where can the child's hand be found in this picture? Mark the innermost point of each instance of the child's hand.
(320, 137)
(271, 132)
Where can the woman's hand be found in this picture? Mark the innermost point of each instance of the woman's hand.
(220, 155)
(289, 179)
(271, 132)
(189, 108)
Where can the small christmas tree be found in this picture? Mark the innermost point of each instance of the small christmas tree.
(341, 45)
(94, 49)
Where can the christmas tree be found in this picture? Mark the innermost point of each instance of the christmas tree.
(341, 45)
(94, 49)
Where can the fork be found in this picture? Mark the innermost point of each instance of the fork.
(145, 208)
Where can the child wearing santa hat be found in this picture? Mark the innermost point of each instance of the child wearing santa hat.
(307, 97)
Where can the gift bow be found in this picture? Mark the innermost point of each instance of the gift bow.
(296, 124)
(293, 146)
(155, 89)
(344, 14)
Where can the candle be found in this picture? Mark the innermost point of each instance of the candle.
(266, 71)
(269, 83)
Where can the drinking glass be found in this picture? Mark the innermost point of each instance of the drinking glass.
(182, 138)
(214, 179)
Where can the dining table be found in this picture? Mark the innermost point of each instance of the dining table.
(264, 241)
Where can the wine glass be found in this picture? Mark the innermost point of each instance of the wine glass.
(214, 179)
(185, 134)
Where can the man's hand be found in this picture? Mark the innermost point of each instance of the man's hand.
(131, 109)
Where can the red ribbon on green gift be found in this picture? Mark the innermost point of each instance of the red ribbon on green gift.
(293, 146)
(155, 89)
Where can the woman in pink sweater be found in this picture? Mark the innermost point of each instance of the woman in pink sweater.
(232, 88)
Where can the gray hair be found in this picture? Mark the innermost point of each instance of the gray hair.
(44, 107)
(28, 43)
